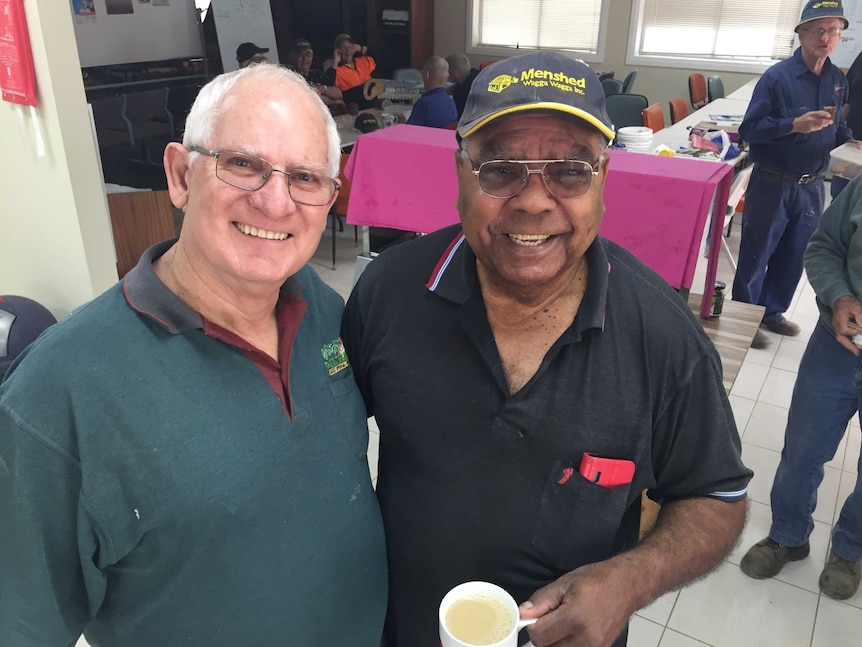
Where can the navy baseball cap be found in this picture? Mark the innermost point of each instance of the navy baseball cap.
(341, 38)
(301, 45)
(246, 50)
(366, 123)
(536, 81)
(815, 9)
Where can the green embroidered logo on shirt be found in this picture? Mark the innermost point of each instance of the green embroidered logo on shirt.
(334, 356)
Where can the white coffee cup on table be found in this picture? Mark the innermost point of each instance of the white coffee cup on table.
(480, 614)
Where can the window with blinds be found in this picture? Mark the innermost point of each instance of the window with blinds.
(731, 31)
(562, 25)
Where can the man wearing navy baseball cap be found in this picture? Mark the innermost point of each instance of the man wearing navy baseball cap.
(531, 379)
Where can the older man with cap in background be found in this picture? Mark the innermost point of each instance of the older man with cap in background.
(531, 379)
(352, 66)
(795, 117)
(299, 58)
(249, 53)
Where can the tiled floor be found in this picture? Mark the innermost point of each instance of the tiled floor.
(728, 609)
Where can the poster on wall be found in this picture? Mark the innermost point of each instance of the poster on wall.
(118, 7)
(17, 73)
(161, 3)
(84, 11)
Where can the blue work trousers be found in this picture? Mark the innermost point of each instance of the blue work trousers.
(827, 394)
(779, 217)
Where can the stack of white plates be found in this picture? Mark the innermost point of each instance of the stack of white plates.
(635, 138)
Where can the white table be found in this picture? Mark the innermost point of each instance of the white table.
(676, 135)
(745, 91)
(347, 133)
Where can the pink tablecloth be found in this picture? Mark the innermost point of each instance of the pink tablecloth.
(404, 178)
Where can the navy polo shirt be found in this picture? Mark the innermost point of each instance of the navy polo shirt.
(476, 483)
(435, 109)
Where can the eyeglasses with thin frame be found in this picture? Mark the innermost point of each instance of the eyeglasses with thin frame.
(250, 172)
(832, 32)
(563, 178)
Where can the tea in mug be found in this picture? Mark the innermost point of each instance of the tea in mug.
(479, 620)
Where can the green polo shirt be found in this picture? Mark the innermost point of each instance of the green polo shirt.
(154, 492)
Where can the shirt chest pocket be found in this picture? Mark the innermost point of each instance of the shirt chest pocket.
(351, 411)
(578, 521)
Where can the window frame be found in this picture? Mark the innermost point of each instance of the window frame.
(481, 51)
(634, 58)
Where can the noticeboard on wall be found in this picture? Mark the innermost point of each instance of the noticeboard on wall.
(851, 38)
(114, 32)
(243, 21)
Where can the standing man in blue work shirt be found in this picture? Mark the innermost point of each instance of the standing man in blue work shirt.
(435, 108)
(794, 119)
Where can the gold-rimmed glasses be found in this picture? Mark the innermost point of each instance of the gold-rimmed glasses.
(563, 178)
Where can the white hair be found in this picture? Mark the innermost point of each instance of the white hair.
(210, 101)
(437, 68)
(459, 65)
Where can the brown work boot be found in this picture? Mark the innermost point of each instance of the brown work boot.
(840, 578)
(760, 340)
(767, 557)
(782, 326)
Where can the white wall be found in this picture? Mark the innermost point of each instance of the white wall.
(658, 84)
(55, 238)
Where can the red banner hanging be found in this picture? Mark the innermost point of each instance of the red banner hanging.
(17, 74)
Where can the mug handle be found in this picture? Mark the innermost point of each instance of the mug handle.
(525, 623)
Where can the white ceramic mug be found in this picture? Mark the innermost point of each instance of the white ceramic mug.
(496, 618)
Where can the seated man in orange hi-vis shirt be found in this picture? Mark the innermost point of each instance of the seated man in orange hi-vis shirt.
(351, 68)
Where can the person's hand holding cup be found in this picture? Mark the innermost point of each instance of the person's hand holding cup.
(479, 614)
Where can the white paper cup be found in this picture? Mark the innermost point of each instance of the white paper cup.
(479, 614)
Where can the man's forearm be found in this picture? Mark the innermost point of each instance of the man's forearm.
(690, 538)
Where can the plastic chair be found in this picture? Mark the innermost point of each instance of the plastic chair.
(606, 75)
(180, 100)
(112, 128)
(715, 87)
(339, 207)
(735, 204)
(625, 109)
(678, 109)
(407, 75)
(612, 86)
(485, 64)
(149, 120)
(629, 81)
(697, 90)
(653, 117)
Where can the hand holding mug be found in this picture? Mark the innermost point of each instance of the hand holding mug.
(479, 614)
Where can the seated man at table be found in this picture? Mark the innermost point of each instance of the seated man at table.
(461, 75)
(434, 108)
(299, 59)
(521, 350)
(352, 66)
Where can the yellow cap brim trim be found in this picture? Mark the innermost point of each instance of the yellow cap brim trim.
(544, 105)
